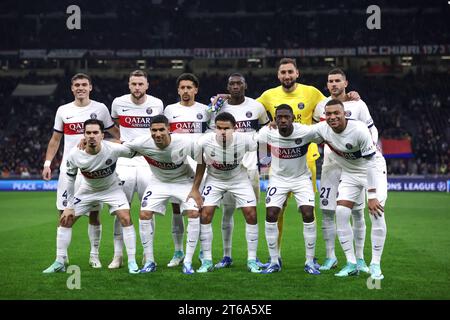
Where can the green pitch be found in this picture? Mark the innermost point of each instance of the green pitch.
(415, 263)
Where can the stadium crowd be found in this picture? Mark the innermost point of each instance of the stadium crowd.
(415, 108)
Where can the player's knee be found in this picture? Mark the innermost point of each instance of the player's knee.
(94, 218)
(125, 219)
(272, 215)
(145, 215)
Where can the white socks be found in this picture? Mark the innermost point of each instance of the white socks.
(147, 235)
(329, 232)
(177, 231)
(359, 232)
(193, 233)
(227, 229)
(129, 238)
(345, 232)
(271, 230)
(251, 235)
(95, 234)
(378, 236)
(206, 237)
(63, 237)
(310, 236)
(118, 238)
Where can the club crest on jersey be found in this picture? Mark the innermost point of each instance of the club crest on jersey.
(93, 116)
(348, 113)
(149, 110)
(301, 105)
(144, 203)
(298, 140)
(65, 203)
(267, 199)
(108, 162)
(213, 154)
(68, 164)
(324, 202)
(199, 116)
(248, 114)
(348, 146)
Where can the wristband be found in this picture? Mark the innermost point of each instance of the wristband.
(47, 163)
(371, 195)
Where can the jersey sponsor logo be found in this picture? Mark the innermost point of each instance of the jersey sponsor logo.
(135, 121)
(98, 174)
(188, 127)
(288, 153)
(93, 116)
(301, 105)
(224, 166)
(247, 125)
(73, 128)
(149, 110)
(163, 165)
(347, 155)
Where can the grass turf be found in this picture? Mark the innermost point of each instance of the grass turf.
(415, 260)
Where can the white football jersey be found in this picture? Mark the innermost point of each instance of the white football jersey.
(99, 170)
(70, 119)
(288, 153)
(349, 146)
(250, 116)
(188, 120)
(168, 164)
(226, 163)
(354, 110)
(134, 121)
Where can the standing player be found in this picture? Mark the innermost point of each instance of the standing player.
(223, 152)
(172, 179)
(288, 146)
(186, 117)
(250, 115)
(69, 121)
(133, 113)
(352, 143)
(354, 110)
(97, 163)
(303, 100)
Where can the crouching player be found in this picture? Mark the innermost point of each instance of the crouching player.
(288, 146)
(97, 163)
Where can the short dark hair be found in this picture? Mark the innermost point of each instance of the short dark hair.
(138, 73)
(284, 107)
(333, 102)
(94, 121)
(287, 61)
(81, 76)
(188, 77)
(160, 118)
(337, 71)
(225, 116)
(237, 74)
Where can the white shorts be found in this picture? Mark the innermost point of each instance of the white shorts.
(240, 189)
(134, 179)
(278, 191)
(158, 193)
(329, 183)
(84, 199)
(381, 180)
(61, 191)
(253, 175)
(351, 187)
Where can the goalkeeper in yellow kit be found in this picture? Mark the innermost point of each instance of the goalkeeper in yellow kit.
(303, 100)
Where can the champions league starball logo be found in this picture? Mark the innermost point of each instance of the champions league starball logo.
(441, 186)
(149, 110)
(93, 116)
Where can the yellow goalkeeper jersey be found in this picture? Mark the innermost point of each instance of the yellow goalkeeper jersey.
(303, 101)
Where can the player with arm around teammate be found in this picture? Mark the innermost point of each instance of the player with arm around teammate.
(97, 163)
